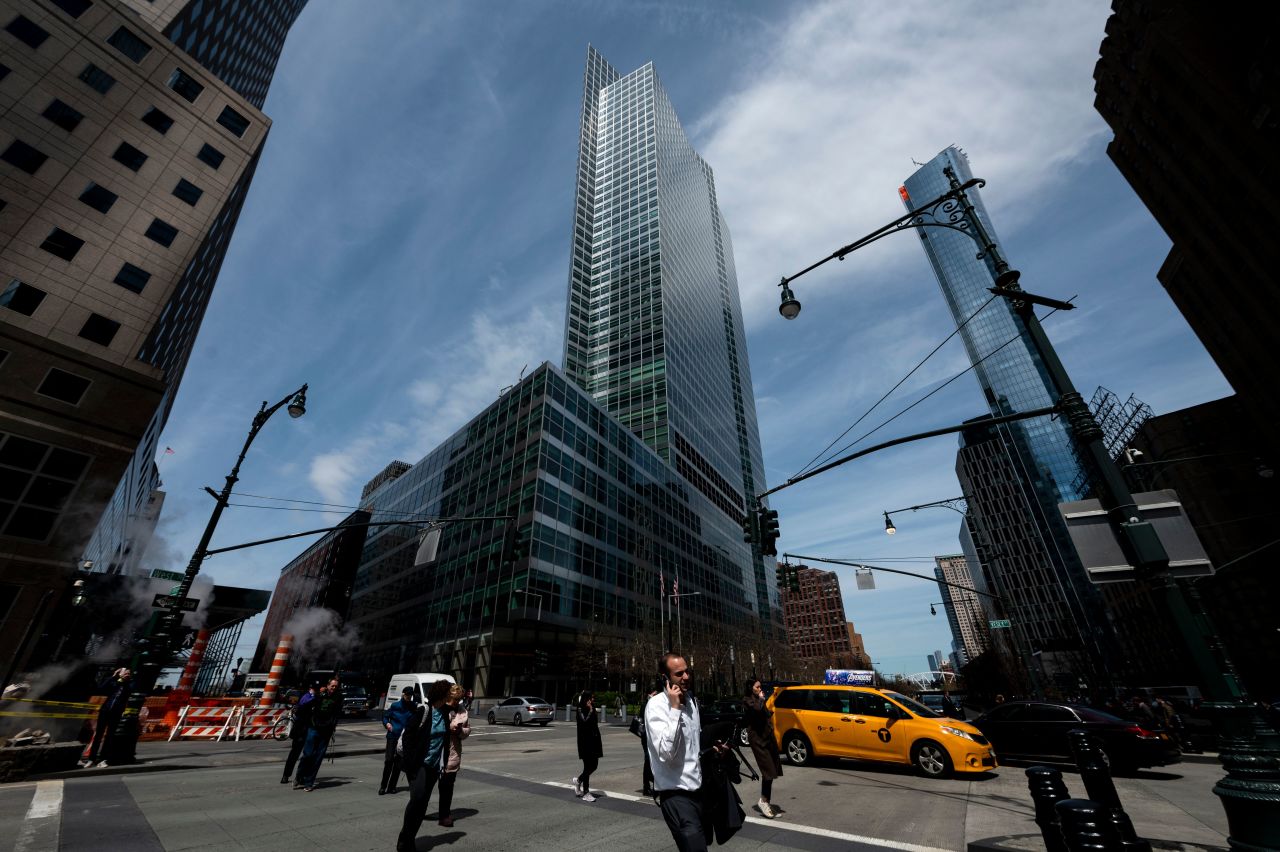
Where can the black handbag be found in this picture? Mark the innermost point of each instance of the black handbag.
(635, 727)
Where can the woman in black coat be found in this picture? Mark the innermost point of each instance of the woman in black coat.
(590, 749)
(764, 745)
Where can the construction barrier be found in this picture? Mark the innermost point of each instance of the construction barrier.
(217, 723)
(182, 694)
(203, 722)
(39, 709)
(277, 671)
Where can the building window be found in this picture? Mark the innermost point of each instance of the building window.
(97, 79)
(99, 329)
(23, 156)
(129, 156)
(74, 8)
(188, 191)
(21, 297)
(129, 43)
(162, 232)
(61, 244)
(157, 120)
(63, 386)
(211, 156)
(36, 482)
(27, 31)
(62, 115)
(132, 277)
(185, 85)
(98, 197)
(233, 121)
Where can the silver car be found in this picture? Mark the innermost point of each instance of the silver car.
(520, 709)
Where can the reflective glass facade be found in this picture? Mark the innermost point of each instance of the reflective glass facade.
(654, 329)
(603, 516)
(1014, 475)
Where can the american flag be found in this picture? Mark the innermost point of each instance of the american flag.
(168, 451)
(675, 591)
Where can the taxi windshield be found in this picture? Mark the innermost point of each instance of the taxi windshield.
(914, 706)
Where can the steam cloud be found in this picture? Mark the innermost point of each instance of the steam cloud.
(320, 638)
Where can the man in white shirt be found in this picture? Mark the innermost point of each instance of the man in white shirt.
(673, 730)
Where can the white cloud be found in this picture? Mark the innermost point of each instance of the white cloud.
(809, 153)
(458, 378)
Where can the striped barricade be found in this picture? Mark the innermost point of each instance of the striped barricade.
(204, 722)
(257, 723)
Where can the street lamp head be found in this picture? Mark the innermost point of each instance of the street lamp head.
(889, 528)
(298, 405)
(790, 307)
(932, 611)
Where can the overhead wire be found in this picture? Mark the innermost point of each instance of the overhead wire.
(889, 392)
(939, 387)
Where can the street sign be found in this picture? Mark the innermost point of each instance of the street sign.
(161, 574)
(166, 601)
(1099, 548)
(999, 622)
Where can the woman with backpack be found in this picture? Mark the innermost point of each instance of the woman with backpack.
(590, 748)
(425, 750)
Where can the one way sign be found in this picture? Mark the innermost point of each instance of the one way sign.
(167, 602)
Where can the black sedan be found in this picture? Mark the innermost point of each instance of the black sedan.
(726, 710)
(1037, 730)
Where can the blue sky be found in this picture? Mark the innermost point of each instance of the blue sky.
(405, 245)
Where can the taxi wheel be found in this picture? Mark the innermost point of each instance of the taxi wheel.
(493, 720)
(931, 759)
(742, 738)
(798, 750)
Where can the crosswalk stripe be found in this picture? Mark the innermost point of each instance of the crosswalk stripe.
(41, 827)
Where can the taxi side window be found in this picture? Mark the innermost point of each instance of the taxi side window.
(867, 704)
(793, 699)
(830, 700)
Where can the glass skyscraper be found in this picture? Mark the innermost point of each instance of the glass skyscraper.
(1034, 566)
(628, 473)
(654, 327)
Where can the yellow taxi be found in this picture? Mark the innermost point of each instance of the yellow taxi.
(874, 724)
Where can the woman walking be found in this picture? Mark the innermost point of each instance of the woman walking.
(590, 749)
(764, 745)
(459, 730)
(425, 749)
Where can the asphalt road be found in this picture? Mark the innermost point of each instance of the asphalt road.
(514, 794)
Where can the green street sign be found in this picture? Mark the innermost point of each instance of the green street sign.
(161, 574)
(999, 622)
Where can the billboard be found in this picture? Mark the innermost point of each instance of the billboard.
(850, 677)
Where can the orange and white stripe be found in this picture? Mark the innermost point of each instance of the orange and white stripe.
(277, 671)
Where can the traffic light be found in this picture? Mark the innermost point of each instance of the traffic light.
(788, 577)
(769, 532)
(793, 582)
(514, 547)
(750, 530)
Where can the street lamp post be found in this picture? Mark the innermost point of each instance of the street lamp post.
(530, 594)
(157, 642)
(1250, 793)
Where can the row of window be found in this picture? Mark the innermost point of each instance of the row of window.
(135, 48)
(24, 299)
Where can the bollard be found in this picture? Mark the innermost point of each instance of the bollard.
(1047, 789)
(1101, 789)
(1086, 826)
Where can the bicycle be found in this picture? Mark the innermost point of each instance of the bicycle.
(280, 730)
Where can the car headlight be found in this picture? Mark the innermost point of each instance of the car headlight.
(956, 732)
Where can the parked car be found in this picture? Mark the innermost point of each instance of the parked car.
(874, 724)
(936, 701)
(1037, 730)
(520, 709)
(355, 701)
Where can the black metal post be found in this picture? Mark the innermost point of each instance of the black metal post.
(1085, 827)
(1047, 789)
(159, 640)
(1096, 774)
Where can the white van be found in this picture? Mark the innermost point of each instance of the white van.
(420, 681)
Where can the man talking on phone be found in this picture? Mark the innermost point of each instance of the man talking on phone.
(673, 727)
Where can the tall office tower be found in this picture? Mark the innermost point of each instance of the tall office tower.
(1190, 92)
(964, 609)
(628, 474)
(654, 329)
(126, 150)
(817, 632)
(1013, 378)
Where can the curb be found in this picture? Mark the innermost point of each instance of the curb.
(142, 767)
